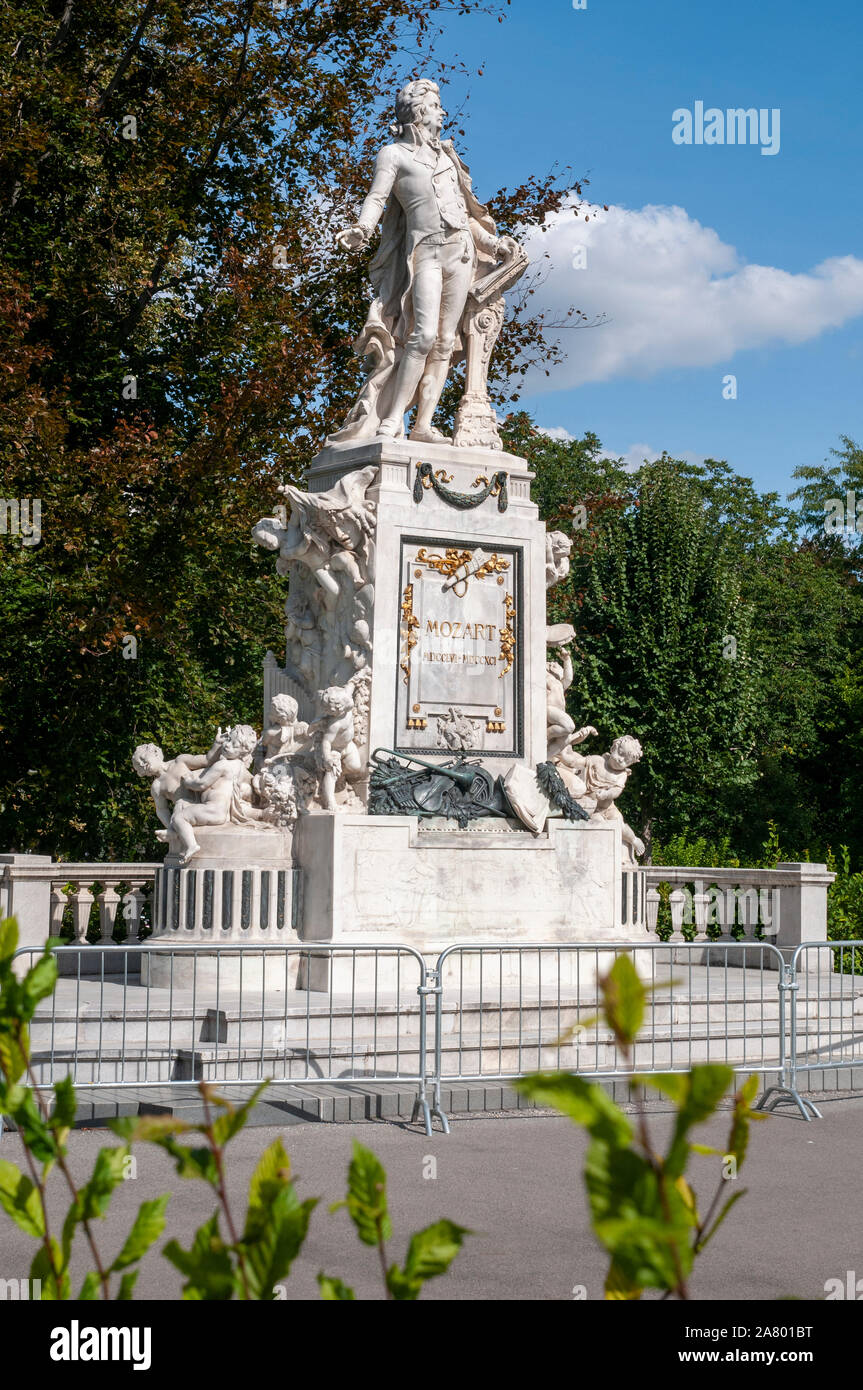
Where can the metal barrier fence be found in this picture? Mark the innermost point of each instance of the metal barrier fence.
(826, 1016)
(504, 1010)
(324, 1015)
(310, 1016)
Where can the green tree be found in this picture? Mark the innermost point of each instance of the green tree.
(663, 650)
(177, 328)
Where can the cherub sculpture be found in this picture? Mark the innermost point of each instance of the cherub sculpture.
(218, 794)
(558, 548)
(596, 782)
(167, 776)
(338, 755)
(324, 531)
(560, 726)
(285, 734)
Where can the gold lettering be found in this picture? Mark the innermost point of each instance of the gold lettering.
(431, 626)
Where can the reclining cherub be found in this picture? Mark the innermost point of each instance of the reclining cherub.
(212, 788)
(167, 776)
(225, 790)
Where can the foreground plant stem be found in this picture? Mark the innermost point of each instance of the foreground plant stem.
(104, 1278)
(222, 1191)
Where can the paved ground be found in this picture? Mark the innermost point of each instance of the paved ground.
(515, 1180)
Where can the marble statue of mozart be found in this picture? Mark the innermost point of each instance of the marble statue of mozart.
(436, 243)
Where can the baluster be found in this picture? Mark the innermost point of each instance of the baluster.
(652, 901)
(677, 902)
(58, 907)
(700, 902)
(133, 901)
(769, 904)
(109, 901)
(81, 900)
(720, 904)
(749, 913)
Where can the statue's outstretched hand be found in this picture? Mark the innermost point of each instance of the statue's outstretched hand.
(352, 238)
(507, 248)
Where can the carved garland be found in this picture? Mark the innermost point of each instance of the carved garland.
(426, 480)
(507, 637)
(410, 623)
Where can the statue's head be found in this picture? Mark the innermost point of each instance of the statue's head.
(148, 760)
(418, 103)
(239, 741)
(336, 699)
(284, 709)
(626, 751)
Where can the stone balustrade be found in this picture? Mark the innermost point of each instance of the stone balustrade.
(785, 905)
(38, 891)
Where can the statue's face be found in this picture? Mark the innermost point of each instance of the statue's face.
(432, 116)
(619, 760)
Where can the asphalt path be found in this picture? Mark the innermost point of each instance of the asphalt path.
(515, 1181)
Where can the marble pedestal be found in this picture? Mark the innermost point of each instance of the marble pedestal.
(240, 891)
(427, 884)
(440, 641)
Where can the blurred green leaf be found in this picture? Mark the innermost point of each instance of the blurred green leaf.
(367, 1196)
(583, 1101)
(8, 938)
(20, 1199)
(148, 1226)
(334, 1291)
(623, 1000)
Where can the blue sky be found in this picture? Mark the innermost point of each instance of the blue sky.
(758, 274)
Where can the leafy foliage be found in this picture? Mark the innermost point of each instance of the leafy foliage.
(177, 328)
(225, 1260)
(722, 628)
(44, 1131)
(430, 1251)
(643, 1209)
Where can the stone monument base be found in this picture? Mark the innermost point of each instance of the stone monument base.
(425, 883)
(349, 879)
(240, 890)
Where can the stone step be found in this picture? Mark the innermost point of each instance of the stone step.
(158, 1027)
(501, 1054)
(354, 1102)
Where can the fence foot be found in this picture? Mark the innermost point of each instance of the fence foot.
(421, 1104)
(428, 1113)
(444, 1122)
(789, 1095)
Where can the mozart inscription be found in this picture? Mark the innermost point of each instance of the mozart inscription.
(459, 681)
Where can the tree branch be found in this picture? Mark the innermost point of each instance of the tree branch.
(127, 57)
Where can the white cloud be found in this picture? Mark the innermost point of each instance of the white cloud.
(675, 295)
(557, 432)
(634, 456)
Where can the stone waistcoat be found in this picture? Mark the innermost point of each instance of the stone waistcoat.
(426, 185)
